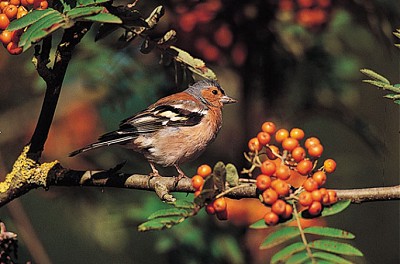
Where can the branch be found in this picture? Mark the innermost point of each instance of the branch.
(28, 174)
(54, 78)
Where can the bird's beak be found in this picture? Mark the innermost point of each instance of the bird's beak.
(227, 100)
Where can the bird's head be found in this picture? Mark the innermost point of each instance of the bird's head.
(210, 93)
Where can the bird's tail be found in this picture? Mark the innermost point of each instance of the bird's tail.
(102, 143)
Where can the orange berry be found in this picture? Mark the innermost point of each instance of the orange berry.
(279, 207)
(263, 182)
(305, 3)
(204, 170)
(304, 167)
(15, 2)
(282, 172)
(281, 135)
(13, 48)
(288, 211)
(4, 21)
(315, 208)
(271, 218)
(325, 196)
(210, 209)
(40, 5)
(219, 204)
(298, 154)
(316, 195)
(305, 198)
(269, 196)
(281, 187)
(297, 133)
(270, 150)
(311, 141)
(10, 11)
(24, 3)
(6, 37)
(268, 168)
(316, 150)
(268, 127)
(332, 196)
(264, 138)
(319, 177)
(197, 182)
(290, 143)
(254, 145)
(197, 193)
(310, 185)
(329, 165)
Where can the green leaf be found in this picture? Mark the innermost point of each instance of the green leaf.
(168, 212)
(30, 18)
(184, 204)
(41, 29)
(298, 258)
(331, 257)
(91, 2)
(260, 224)
(79, 12)
(285, 253)
(335, 247)
(375, 76)
(160, 223)
(397, 102)
(279, 236)
(378, 84)
(219, 172)
(232, 175)
(335, 208)
(329, 232)
(104, 18)
(392, 96)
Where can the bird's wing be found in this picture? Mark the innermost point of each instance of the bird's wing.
(179, 113)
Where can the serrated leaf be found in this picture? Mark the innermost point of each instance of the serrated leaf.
(41, 29)
(331, 257)
(335, 208)
(104, 18)
(160, 223)
(298, 258)
(285, 253)
(232, 175)
(279, 236)
(375, 76)
(79, 12)
(392, 96)
(335, 247)
(168, 212)
(378, 83)
(329, 232)
(30, 18)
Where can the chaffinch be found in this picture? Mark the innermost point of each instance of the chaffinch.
(175, 129)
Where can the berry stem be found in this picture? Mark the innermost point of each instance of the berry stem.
(302, 235)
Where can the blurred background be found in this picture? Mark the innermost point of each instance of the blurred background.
(294, 62)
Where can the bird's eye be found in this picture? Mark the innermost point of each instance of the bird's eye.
(215, 92)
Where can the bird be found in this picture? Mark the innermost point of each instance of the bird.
(175, 129)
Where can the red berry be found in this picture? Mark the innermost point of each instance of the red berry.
(290, 143)
(319, 177)
(305, 198)
(268, 168)
(297, 133)
(311, 141)
(254, 145)
(264, 138)
(220, 204)
(281, 135)
(269, 196)
(204, 170)
(315, 208)
(197, 182)
(263, 182)
(210, 209)
(288, 212)
(298, 154)
(316, 150)
(282, 172)
(271, 218)
(279, 207)
(310, 185)
(304, 167)
(281, 187)
(268, 127)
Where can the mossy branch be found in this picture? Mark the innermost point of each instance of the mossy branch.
(28, 174)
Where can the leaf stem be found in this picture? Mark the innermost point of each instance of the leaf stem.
(303, 236)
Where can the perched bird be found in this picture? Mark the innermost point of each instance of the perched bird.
(175, 129)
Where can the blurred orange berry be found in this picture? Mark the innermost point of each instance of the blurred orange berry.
(311, 141)
(271, 218)
(304, 167)
(298, 154)
(268, 127)
(297, 133)
(204, 170)
(281, 135)
(197, 182)
(268, 168)
(290, 143)
(264, 138)
(254, 145)
(329, 165)
(263, 182)
(316, 150)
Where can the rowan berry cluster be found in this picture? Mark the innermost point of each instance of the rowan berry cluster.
(15, 9)
(217, 206)
(308, 13)
(280, 163)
